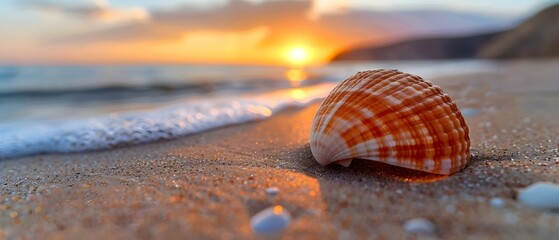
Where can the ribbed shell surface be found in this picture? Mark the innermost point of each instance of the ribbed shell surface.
(391, 117)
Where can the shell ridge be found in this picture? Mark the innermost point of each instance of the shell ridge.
(335, 109)
(329, 99)
(404, 147)
(348, 83)
(390, 76)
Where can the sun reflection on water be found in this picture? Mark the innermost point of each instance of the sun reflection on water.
(298, 94)
(295, 76)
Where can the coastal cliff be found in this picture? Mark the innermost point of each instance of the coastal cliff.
(537, 37)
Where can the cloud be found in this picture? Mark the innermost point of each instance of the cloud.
(98, 10)
(286, 22)
(234, 16)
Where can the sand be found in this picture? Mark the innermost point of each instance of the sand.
(208, 185)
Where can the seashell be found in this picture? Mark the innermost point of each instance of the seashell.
(391, 117)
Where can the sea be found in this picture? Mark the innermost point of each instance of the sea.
(61, 109)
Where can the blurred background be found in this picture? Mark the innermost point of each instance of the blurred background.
(64, 59)
(259, 32)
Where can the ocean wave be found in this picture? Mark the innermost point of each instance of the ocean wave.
(38, 102)
(169, 122)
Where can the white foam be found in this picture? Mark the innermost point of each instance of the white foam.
(140, 127)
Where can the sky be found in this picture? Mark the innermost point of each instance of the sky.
(289, 32)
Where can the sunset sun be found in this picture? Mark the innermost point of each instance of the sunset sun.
(299, 55)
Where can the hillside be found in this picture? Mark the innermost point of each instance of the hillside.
(536, 37)
(427, 48)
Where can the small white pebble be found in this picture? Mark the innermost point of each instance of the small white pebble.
(497, 202)
(270, 220)
(419, 226)
(272, 191)
(541, 195)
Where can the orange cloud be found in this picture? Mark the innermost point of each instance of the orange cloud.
(244, 32)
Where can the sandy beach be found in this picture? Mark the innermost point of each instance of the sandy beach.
(208, 185)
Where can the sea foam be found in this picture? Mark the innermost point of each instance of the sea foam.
(169, 122)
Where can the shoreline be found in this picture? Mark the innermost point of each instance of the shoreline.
(208, 185)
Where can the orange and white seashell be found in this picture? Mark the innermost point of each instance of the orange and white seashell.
(391, 117)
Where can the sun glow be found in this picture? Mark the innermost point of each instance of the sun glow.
(299, 55)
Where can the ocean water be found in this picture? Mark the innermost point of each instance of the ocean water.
(48, 109)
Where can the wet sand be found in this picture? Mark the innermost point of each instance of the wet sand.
(208, 185)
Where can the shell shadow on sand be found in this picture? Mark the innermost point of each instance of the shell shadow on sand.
(371, 169)
(379, 171)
